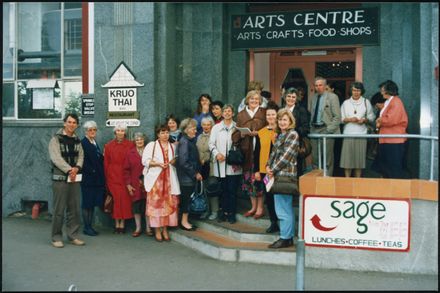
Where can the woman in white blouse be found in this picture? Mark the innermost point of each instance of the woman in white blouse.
(356, 112)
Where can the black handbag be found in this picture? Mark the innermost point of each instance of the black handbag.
(213, 186)
(285, 185)
(235, 156)
(198, 203)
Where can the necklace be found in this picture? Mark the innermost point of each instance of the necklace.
(355, 104)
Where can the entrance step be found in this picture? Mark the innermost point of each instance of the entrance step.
(238, 242)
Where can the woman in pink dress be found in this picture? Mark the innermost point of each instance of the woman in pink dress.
(161, 184)
(115, 152)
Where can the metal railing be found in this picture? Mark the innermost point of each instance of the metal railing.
(324, 137)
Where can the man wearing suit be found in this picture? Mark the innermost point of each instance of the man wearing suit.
(325, 119)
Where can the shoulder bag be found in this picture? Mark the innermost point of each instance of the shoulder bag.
(198, 203)
(285, 185)
(235, 156)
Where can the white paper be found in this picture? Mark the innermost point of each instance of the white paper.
(78, 178)
(244, 130)
(268, 182)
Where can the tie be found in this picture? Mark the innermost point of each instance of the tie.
(315, 117)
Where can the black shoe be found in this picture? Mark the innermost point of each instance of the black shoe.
(281, 243)
(89, 231)
(94, 231)
(187, 229)
(221, 217)
(232, 219)
(273, 228)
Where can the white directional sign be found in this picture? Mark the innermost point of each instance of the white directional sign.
(362, 223)
(122, 99)
(128, 122)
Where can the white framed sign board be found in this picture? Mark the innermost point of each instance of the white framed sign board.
(357, 223)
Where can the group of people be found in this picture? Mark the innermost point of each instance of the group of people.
(156, 179)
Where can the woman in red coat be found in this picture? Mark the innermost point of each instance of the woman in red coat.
(115, 152)
(133, 180)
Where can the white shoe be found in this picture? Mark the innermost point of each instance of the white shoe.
(212, 216)
(58, 244)
(77, 242)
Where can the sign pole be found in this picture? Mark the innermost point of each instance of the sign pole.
(300, 250)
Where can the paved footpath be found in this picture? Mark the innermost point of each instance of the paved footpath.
(111, 262)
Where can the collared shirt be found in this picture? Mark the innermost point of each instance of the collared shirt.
(385, 105)
(250, 112)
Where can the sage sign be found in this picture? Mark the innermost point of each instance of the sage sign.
(356, 26)
(362, 223)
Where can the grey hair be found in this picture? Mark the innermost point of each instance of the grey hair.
(321, 78)
(120, 125)
(207, 119)
(140, 135)
(90, 124)
(228, 106)
(187, 122)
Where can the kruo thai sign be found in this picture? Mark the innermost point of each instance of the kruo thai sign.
(361, 223)
(122, 97)
(355, 26)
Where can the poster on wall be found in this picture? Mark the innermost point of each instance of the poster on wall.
(42, 99)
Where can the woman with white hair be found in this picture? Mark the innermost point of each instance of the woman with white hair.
(115, 152)
(93, 181)
(133, 180)
(188, 168)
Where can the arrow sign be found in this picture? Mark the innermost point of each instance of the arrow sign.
(316, 221)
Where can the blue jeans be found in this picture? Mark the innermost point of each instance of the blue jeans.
(228, 197)
(284, 211)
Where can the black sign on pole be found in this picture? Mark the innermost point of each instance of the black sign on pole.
(88, 105)
(354, 26)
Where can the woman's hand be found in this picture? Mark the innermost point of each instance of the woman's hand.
(269, 172)
(130, 189)
(258, 176)
(220, 157)
(199, 177)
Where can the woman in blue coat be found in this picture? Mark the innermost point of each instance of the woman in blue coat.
(93, 181)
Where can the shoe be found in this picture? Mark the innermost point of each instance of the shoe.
(77, 242)
(212, 216)
(256, 217)
(115, 230)
(58, 244)
(281, 243)
(94, 231)
(221, 218)
(232, 220)
(187, 229)
(158, 239)
(136, 234)
(166, 238)
(122, 230)
(149, 233)
(273, 228)
(249, 213)
(89, 231)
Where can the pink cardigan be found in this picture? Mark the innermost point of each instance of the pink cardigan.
(394, 120)
(132, 170)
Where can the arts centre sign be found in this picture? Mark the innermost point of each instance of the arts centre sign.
(356, 26)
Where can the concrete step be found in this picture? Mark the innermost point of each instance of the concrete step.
(240, 231)
(226, 248)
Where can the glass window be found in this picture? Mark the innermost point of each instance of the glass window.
(72, 40)
(72, 94)
(8, 99)
(8, 39)
(39, 40)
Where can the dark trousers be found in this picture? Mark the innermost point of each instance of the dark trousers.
(185, 196)
(270, 203)
(229, 195)
(391, 160)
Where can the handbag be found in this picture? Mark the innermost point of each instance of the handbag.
(108, 203)
(235, 156)
(285, 185)
(213, 186)
(198, 203)
(372, 143)
(305, 147)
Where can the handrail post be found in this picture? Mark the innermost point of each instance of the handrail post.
(319, 154)
(324, 155)
(300, 250)
(431, 171)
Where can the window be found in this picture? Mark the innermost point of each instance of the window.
(42, 41)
